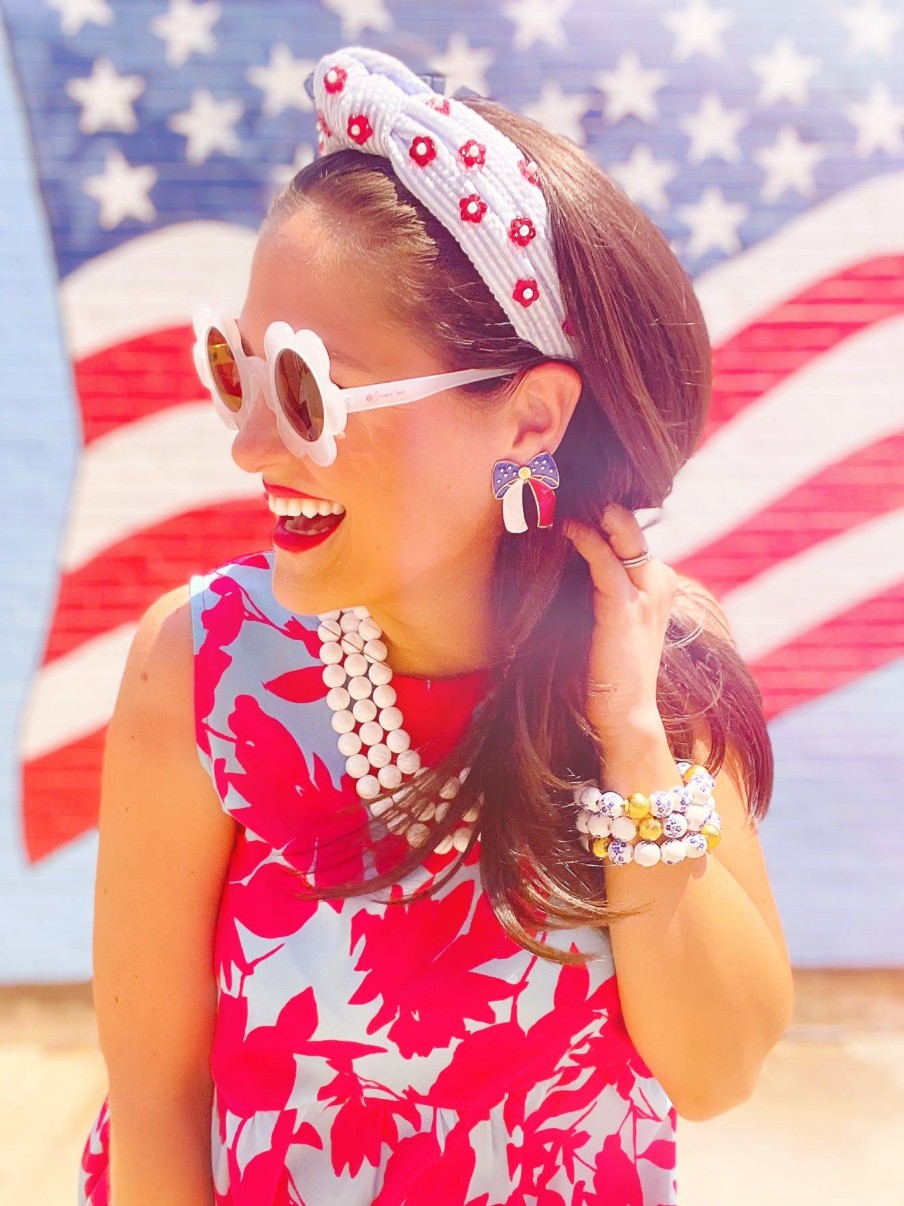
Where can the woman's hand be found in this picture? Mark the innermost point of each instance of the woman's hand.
(631, 610)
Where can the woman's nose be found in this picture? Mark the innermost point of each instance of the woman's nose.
(257, 442)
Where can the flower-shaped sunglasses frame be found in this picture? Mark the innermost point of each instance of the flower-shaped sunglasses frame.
(294, 379)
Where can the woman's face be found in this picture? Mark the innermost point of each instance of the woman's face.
(420, 516)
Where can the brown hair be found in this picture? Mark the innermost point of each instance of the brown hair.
(645, 361)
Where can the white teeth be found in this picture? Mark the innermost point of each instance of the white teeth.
(309, 507)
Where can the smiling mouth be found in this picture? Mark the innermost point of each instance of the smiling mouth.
(311, 525)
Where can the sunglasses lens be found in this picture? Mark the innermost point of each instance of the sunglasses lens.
(299, 395)
(224, 370)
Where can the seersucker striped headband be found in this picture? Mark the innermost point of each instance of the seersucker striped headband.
(467, 173)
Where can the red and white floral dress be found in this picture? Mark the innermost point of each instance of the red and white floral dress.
(403, 1055)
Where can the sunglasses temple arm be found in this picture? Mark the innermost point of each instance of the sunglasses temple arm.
(372, 397)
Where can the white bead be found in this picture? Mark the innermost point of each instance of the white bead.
(349, 743)
(397, 824)
(381, 806)
(463, 773)
(591, 799)
(379, 673)
(384, 695)
(427, 813)
(334, 675)
(370, 629)
(360, 687)
(620, 853)
(660, 804)
(343, 722)
(390, 776)
(352, 642)
(450, 788)
(398, 740)
(697, 815)
(612, 804)
(370, 732)
(416, 834)
(329, 630)
(647, 854)
(445, 845)
(331, 653)
(376, 649)
(379, 755)
(391, 718)
(683, 766)
(461, 838)
(368, 787)
(472, 814)
(355, 665)
(361, 612)
(624, 828)
(682, 798)
(357, 765)
(440, 811)
(338, 699)
(329, 615)
(364, 710)
(675, 825)
(673, 852)
(702, 786)
(600, 826)
(695, 845)
(349, 622)
(715, 819)
(408, 762)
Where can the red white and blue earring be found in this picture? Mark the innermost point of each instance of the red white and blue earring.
(541, 476)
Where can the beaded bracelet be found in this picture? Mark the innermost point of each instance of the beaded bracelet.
(626, 829)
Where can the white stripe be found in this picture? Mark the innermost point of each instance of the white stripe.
(74, 696)
(148, 471)
(154, 281)
(837, 403)
(854, 225)
(791, 598)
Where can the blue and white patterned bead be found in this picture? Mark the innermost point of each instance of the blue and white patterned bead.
(715, 819)
(661, 804)
(599, 826)
(612, 804)
(624, 828)
(695, 845)
(582, 821)
(682, 797)
(673, 852)
(674, 826)
(701, 785)
(698, 814)
(683, 766)
(590, 798)
(620, 852)
(647, 854)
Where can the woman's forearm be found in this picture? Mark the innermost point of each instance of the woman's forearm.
(705, 989)
(160, 1152)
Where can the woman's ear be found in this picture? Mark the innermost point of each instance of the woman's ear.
(542, 408)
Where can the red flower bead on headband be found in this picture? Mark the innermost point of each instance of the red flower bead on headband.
(439, 149)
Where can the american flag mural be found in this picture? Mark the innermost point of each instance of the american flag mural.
(140, 143)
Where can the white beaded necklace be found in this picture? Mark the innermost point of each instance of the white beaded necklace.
(376, 747)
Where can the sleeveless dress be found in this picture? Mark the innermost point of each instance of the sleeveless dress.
(375, 1053)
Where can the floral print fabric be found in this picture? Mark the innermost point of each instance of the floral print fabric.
(368, 1052)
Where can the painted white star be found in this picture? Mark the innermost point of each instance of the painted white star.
(630, 88)
(879, 121)
(282, 81)
(187, 29)
(788, 163)
(463, 65)
(559, 111)
(76, 13)
(537, 21)
(784, 73)
(106, 99)
(698, 28)
(304, 154)
(358, 15)
(644, 178)
(870, 27)
(122, 191)
(713, 130)
(208, 126)
(714, 223)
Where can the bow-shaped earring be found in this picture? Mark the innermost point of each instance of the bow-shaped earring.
(509, 482)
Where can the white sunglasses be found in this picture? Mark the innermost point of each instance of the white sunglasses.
(294, 378)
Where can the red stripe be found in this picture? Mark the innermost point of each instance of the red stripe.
(131, 574)
(868, 483)
(61, 794)
(801, 329)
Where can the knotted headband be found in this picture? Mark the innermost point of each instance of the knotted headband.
(468, 174)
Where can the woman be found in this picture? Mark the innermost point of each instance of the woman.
(383, 913)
